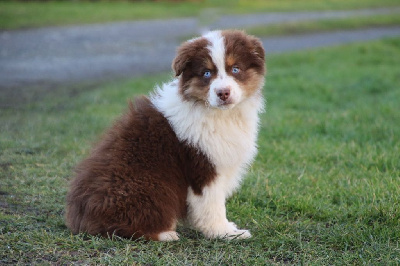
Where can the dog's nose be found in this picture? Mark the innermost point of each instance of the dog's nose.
(223, 94)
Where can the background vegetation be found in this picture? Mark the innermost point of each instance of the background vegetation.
(31, 14)
(324, 189)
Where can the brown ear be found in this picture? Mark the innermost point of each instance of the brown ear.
(186, 52)
(258, 48)
(181, 60)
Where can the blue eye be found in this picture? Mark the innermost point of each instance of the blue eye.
(235, 70)
(207, 74)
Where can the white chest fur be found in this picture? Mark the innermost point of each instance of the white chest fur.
(227, 137)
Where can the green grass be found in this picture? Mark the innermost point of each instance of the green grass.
(326, 25)
(324, 189)
(31, 14)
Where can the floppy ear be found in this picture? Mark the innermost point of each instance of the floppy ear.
(258, 48)
(182, 59)
(186, 52)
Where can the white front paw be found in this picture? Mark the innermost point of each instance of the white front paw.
(228, 232)
(233, 225)
(238, 234)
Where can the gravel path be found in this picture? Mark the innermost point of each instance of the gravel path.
(61, 55)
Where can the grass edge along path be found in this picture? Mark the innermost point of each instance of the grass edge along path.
(325, 25)
(324, 189)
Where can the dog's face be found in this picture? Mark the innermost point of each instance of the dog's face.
(220, 69)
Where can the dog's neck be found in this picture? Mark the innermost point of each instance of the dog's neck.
(227, 137)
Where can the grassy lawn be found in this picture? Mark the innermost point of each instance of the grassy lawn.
(324, 189)
(17, 15)
(326, 25)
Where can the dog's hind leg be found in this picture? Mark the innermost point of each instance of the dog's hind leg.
(168, 236)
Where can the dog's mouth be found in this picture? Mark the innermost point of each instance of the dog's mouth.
(226, 106)
(223, 105)
(226, 103)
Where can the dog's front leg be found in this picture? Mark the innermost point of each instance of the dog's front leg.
(207, 213)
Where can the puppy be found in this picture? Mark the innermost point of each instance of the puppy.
(179, 154)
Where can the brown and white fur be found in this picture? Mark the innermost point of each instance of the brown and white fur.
(179, 154)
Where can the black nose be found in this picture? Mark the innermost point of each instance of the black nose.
(223, 94)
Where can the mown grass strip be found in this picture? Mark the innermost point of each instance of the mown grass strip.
(32, 14)
(325, 25)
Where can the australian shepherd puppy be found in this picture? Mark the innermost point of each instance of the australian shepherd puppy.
(179, 154)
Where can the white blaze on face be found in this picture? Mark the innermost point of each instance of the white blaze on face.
(223, 81)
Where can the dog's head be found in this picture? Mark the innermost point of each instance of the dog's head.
(220, 69)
